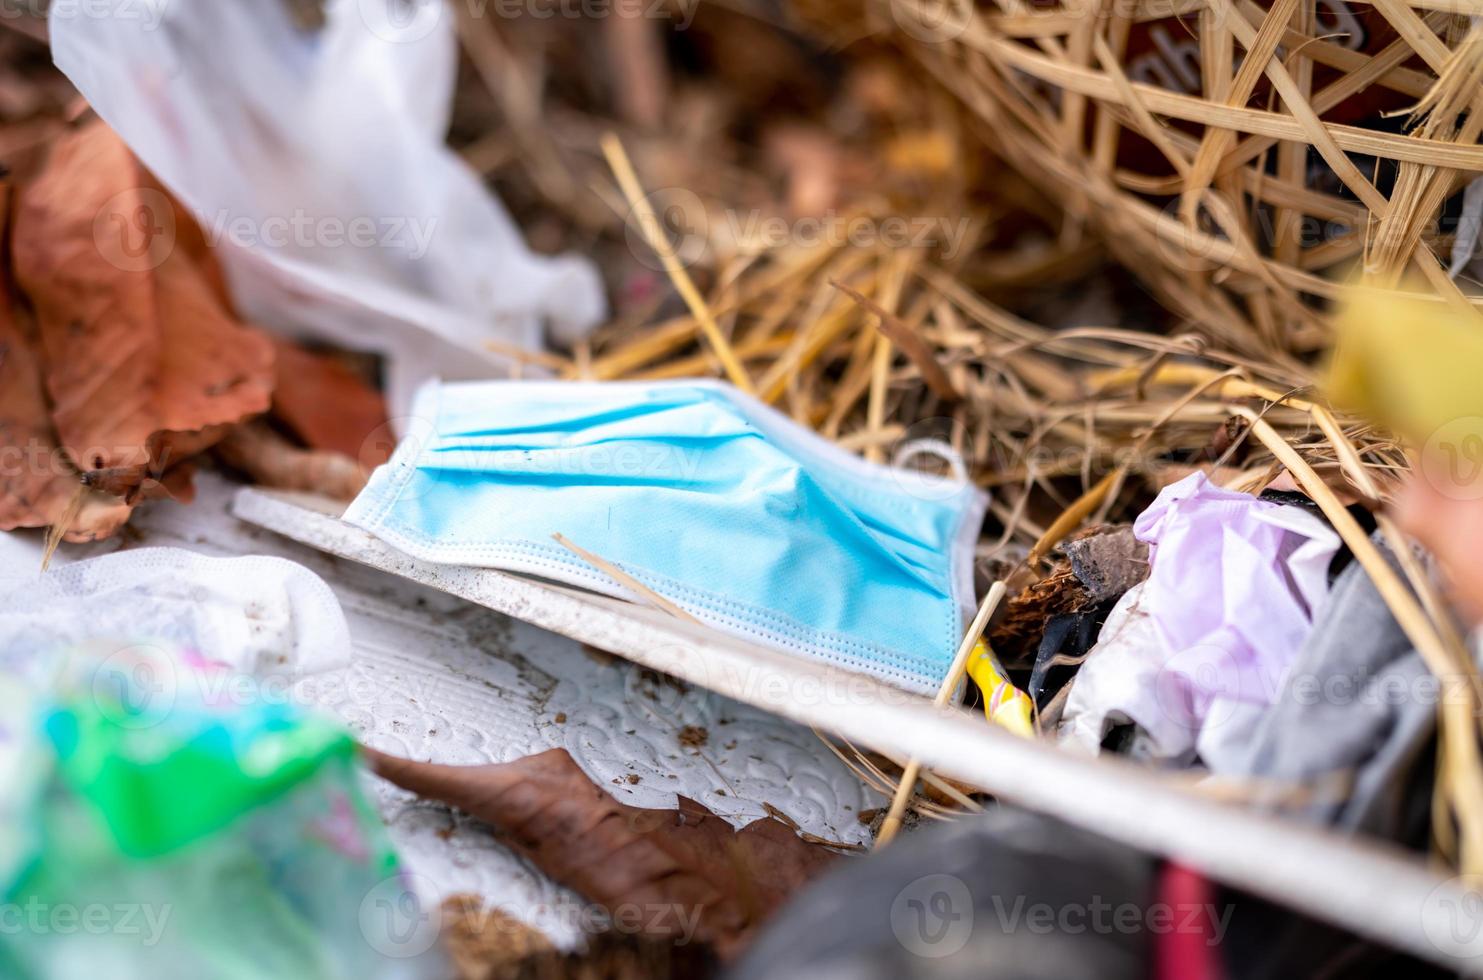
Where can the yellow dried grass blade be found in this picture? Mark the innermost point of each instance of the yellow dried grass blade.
(648, 224)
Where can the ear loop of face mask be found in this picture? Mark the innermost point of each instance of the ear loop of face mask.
(962, 572)
(939, 448)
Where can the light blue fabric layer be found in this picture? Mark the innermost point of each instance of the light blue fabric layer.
(734, 512)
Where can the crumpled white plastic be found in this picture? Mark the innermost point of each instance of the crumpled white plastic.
(314, 159)
(1196, 653)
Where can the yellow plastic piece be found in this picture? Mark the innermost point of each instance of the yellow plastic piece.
(1004, 704)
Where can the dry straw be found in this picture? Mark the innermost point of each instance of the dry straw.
(1206, 193)
(1238, 158)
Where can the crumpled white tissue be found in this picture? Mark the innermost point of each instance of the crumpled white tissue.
(257, 615)
(314, 159)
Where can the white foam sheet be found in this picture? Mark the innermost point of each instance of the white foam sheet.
(435, 677)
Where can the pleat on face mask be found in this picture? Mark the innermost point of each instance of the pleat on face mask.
(732, 511)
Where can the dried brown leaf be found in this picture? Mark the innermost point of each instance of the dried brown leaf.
(687, 861)
(143, 363)
(484, 943)
(329, 406)
(37, 483)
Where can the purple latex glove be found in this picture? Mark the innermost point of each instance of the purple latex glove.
(1209, 636)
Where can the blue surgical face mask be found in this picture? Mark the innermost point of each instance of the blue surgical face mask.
(720, 504)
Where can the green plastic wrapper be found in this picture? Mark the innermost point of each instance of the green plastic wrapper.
(154, 828)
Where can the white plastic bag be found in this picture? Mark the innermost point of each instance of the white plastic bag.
(314, 159)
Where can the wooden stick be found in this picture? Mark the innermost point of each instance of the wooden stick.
(955, 673)
(624, 579)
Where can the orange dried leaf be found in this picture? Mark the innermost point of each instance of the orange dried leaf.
(141, 358)
(37, 483)
(328, 405)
